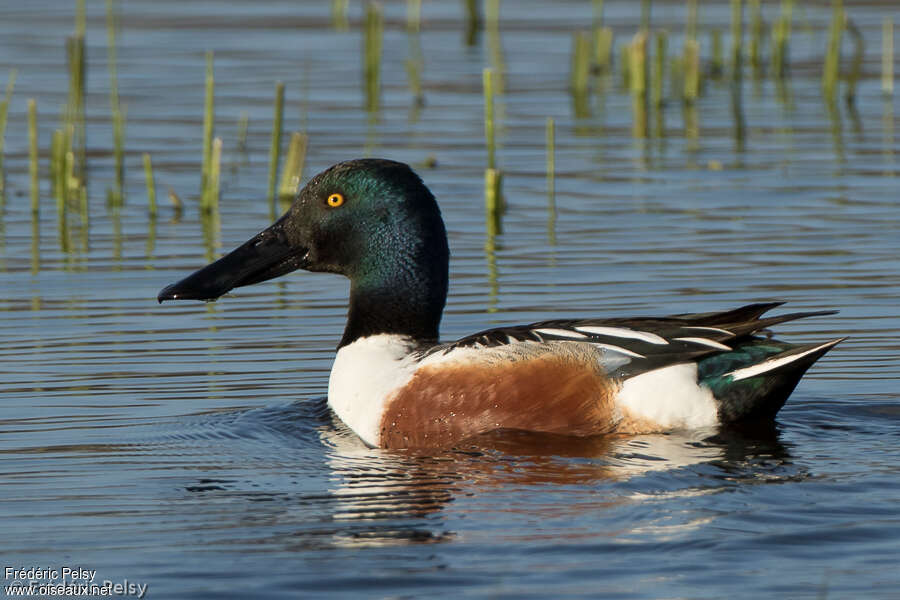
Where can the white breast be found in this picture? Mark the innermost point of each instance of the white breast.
(364, 375)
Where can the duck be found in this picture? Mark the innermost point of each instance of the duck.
(397, 386)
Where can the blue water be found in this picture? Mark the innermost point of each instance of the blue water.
(188, 446)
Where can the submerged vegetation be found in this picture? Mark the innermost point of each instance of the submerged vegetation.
(656, 67)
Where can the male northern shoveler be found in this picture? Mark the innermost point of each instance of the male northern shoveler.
(375, 222)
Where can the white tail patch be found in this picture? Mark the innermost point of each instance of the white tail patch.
(561, 333)
(670, 397)
(619, 349)
(623, 332)
(704, 342)
(774, 363)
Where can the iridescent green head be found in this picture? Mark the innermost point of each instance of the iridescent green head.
(372, 220)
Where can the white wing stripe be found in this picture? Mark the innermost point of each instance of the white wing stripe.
(619, 349)
(623, 332)
(704, 342)
(713, 329)
(772, 363)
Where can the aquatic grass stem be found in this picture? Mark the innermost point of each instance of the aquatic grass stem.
(659, 69)
(242, 127)
(637, 64)
(756, 33)
(415, 62)
(33, 155)
(692, 20)
(473, 21)
(737, 37)
(495, 46)
(56, 165)
(208, 123)
(551, 156)
(691, 70)
(4, 113)
(487, 80)
(74, 114)
(292, 170)
(716, 62)
(603, 43)
(493, 185)
(118, 118)
(492, 176)
(645, 15)
(215, 163)
(372, 42)
(339, 14)
(581, 63)
(781, 36)
(887, 60)
(151, 186)
(856, 65)
(832, 65)
(275, 145)
(413, 16)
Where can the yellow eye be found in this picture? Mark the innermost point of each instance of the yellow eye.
(335, 200)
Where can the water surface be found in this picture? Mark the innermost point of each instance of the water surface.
(188, 446)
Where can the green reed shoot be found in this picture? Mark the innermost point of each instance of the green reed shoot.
(151, 185)
(581, 64)
(413, 16)
(242, 127)
(495, 47)
(692, 20)
(372, 41)
(832, 65)
(691, 70)
(737, 37)
(414, 64)
(551, 156)
(71, 183)
(603, 43)
(118, 117)
(339, 14)
(492, 176)
(781, 37)
(493, 184)
(756, 33)
(4, 112)
(716, 61)
(75, 54)
(637, 64)
(624, 66)
(690, 62)
(887, 60)
(487, 79)
(33, 155)
(637, 53)
(275, 146)
(473, 21)
(659, 68)
(208, 124)
(856, 64)
(215, 169)
(645, 15)
(292, 171)
(57, 152)
(597, 6)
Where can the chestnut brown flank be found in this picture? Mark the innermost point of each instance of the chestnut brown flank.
(443, 404)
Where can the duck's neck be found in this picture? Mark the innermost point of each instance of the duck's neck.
(399, 301)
